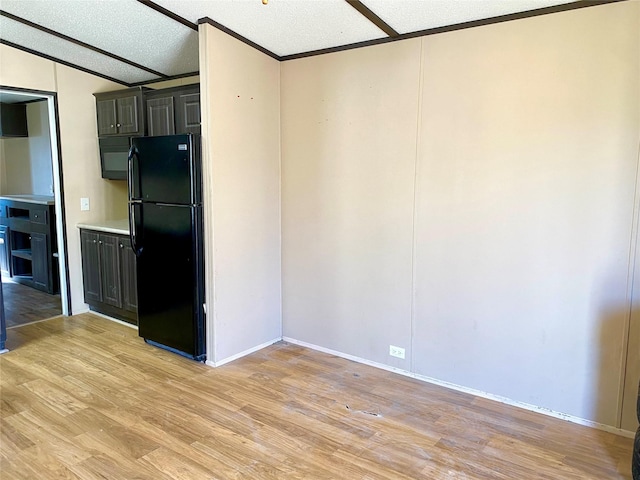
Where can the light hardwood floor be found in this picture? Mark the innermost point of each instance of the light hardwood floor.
(84, 397)
(24, 304)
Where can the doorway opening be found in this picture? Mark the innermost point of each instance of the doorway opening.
(33, 248)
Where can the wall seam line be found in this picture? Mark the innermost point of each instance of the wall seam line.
(280, 196)
(626, 331)
(418, 149)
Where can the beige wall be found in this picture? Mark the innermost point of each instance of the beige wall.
(81, 165)
(79, 145)
(40, 148)
(240, 98)
(469, 196)
(525, 199)
(348, 150)
(27, 161)
(175, 82)
(17, 167)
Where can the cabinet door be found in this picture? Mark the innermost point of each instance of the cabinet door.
(4, 251)
(40, 261)
(160, 116)
(109, 270)
(90, 266)
(127, 114)
(13, 120)
(107, 117)
(188, 116)
(128, 274)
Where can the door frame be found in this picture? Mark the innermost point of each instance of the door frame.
(58, 186)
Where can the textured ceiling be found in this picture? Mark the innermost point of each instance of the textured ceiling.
(139, 41)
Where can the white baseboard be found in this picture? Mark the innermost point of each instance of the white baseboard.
(472, 391)
(219, 363)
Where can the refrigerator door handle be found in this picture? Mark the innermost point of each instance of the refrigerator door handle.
(133, 237)
(133, 153)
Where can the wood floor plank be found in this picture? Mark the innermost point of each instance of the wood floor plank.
(23, 304)
(84, 397)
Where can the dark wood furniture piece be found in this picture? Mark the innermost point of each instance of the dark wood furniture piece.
(13, 120)
(4, 250)
(109, 274)
(173, 110)
(28, 244)
(120, 112)
(142, 111)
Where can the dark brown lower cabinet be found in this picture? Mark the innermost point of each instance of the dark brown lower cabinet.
(39, 260)
(5, 251)
(28, 245)
(129, 277)
(108, 271)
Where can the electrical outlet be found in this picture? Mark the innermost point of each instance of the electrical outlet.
(396, 351)
(84, 204)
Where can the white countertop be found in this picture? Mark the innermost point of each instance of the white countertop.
(39, 199)
(120, 227)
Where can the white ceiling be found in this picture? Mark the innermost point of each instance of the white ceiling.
(139, 41)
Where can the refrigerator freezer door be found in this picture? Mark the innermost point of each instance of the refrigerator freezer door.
(164, 170)
(169, 301)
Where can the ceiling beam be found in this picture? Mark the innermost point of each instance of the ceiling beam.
(564, 7)
(237, 36)
(80, 43)
(170, 14)
(172, 77)
(373, 18)
(62, 62)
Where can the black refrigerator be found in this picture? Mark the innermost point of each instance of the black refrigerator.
(165, 221)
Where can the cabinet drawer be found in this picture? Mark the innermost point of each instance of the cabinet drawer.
(38, 216)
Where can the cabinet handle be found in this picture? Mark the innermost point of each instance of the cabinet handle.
(121, 246)
(111, 125)
(100, 242)
(118, 125)
(95, 241)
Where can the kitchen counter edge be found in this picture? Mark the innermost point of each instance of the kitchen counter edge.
(119, 227)
(37, 199)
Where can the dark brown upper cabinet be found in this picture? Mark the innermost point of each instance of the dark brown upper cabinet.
(173, 110)
(142, 111)
(120, 112)
(13, 120)
(188, 111)
(160, 114)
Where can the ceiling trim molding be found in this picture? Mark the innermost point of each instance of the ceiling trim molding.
(170, 14)
(237, 36)
(373, 18)
(80, 43)
(459, 26)
(158, 80)
(61, 62)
